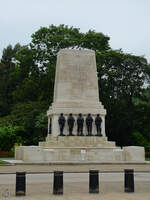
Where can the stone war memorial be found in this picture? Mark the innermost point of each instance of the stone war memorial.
(76, 118)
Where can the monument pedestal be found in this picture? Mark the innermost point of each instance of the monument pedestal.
(79, 149)
(77, 142)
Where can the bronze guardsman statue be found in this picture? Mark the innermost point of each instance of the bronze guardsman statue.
(89, 121)
(50, 126)
(71, 121)
(61, 122)
(80, 121)
(98, 121)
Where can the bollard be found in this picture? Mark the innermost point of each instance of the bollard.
(58, 182)
(93, 181)
(129, 180)
(20, 183)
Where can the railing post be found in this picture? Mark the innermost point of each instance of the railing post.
(20, 183)
(58, 182)
(129, 180)
(93, 181)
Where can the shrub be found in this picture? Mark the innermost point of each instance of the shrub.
(9, 136)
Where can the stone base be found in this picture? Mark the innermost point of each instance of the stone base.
(36, 154)
(79, 149)
(76, 141)
(134, 153)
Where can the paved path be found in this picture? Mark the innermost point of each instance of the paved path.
(39, 186)
(49, 168)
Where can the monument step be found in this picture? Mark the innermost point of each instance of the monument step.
(76, 141)
(62, 138)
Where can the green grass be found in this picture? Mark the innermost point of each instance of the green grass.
(3, 162)
(147, 159)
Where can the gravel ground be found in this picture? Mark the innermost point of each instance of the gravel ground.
(74, 189)
(49, 168)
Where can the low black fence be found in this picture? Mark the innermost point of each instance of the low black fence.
(58, 183)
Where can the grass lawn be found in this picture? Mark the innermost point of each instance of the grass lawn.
(3, 162)
(147, 159)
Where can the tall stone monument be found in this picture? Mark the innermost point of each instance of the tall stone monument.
(76, 118)
(76, 89)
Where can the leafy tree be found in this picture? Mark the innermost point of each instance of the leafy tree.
(142, 114)
(9, 136)
(121, 77)
(25, 115)
(41, 123)
(7, 82)
(140, 140)
(46, 42)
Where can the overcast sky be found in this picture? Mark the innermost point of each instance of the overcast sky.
(126, 22)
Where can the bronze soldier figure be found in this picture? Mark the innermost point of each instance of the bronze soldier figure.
(61, 122)
(98, 121)
(89, 121)
(80, 121)
(71, 121)
(50, 126)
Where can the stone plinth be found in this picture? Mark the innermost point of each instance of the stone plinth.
(134, 153)
(76, 141)
(79, 149)
(34, 154)
(29, 153)
(68, 154)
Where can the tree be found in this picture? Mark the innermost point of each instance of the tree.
(142, 114)
(7, 81)
(9, 136)
(121, 77)
(26, 114)
(41, 124)
(46, 42)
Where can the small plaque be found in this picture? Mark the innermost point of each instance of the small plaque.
(83, 151)
(83, 154)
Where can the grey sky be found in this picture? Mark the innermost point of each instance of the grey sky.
(126, 22)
